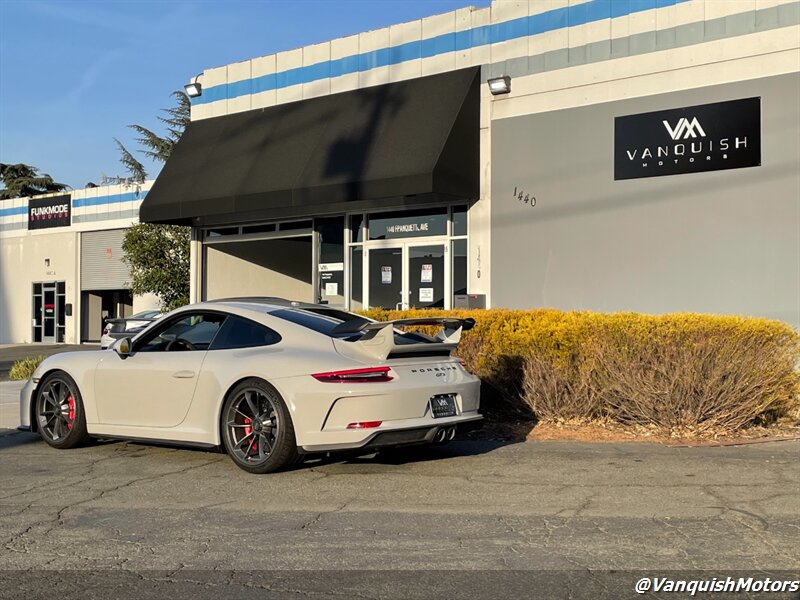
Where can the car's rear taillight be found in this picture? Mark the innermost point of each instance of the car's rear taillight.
(369, 375)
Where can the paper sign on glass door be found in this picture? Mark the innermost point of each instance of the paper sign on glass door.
(426, 275)
(426, 294)
(386, 274)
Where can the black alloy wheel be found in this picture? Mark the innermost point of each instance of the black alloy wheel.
(59, 412)
(257, 428)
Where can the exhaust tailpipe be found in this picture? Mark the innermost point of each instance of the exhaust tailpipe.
(451, 433)
(440, 436)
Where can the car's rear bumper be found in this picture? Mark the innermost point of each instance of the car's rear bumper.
(404, 436)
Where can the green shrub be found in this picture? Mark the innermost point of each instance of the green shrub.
(676, 371)
(23, 369)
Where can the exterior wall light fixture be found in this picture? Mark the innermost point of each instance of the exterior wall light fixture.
(499, 85)
(194, 88)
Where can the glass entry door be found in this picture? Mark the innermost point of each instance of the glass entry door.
(408, 275)
(386, 278)
(425, 276)
(49, 312)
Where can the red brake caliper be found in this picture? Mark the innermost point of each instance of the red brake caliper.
(247, 431)
(71, 412)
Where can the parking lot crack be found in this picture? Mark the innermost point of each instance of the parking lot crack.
(318, 517)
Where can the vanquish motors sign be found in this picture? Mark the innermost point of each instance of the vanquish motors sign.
(55, 211)
(708, 137)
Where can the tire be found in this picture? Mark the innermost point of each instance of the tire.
(257, 429)
(60, 415)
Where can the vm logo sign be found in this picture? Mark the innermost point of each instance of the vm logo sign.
(685, 128)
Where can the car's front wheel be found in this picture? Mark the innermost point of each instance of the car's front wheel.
(59, 412)
(257, 428)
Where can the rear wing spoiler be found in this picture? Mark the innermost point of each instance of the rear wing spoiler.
(378, 341)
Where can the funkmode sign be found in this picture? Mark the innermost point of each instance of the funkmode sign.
(709, 137)
(49, 212)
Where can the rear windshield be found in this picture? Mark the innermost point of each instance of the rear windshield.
(320, 320)
(324, 320)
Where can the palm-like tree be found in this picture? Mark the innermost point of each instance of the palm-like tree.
(25, 180)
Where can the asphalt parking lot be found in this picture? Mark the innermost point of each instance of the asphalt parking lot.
(467, 513)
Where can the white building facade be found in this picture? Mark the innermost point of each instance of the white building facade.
(61, 267)
(646, 158)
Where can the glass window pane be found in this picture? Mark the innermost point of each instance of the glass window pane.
(37, 309)
(356, 231)
(259, 228)
(386, 278)
(61, 286)
(238, 332)
(49, 312)
(220, 231)
(388, 226)
(459, 220)
(321, 320)
(192, 332)
(292, 225)
(426, 276)
(62, 309)
(459, 267)
(356, 278)
(331, 260)
(37, 288)
(331, 240)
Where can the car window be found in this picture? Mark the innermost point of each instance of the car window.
(148, 314)
(189, 332)
(324, 320)
(320, 320)
(238, 332)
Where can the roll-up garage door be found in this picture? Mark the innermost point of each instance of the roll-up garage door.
(102, 267)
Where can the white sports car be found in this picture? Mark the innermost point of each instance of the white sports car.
(267, 379)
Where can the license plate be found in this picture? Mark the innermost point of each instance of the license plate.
(443, 405)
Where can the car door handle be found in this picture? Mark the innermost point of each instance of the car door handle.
(183, 374)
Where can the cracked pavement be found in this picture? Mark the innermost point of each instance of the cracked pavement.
(471, 505)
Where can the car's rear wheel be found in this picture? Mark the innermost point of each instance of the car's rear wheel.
(257, 428)
(59, 412)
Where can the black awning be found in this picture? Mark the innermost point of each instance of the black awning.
(405, 142)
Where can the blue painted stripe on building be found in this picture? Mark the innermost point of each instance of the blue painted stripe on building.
(111, 199)
(18, 210)
(551, 20)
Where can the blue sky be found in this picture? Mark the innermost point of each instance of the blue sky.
(74, 74)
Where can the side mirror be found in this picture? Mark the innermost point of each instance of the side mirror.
(122, 347)
(467, 324)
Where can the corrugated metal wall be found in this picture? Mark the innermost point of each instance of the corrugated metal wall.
(102, 267)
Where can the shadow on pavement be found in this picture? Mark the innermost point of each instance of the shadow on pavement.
(11, 438)
(408, 454)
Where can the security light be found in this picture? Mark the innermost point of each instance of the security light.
(194, 88)
(499, 85)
